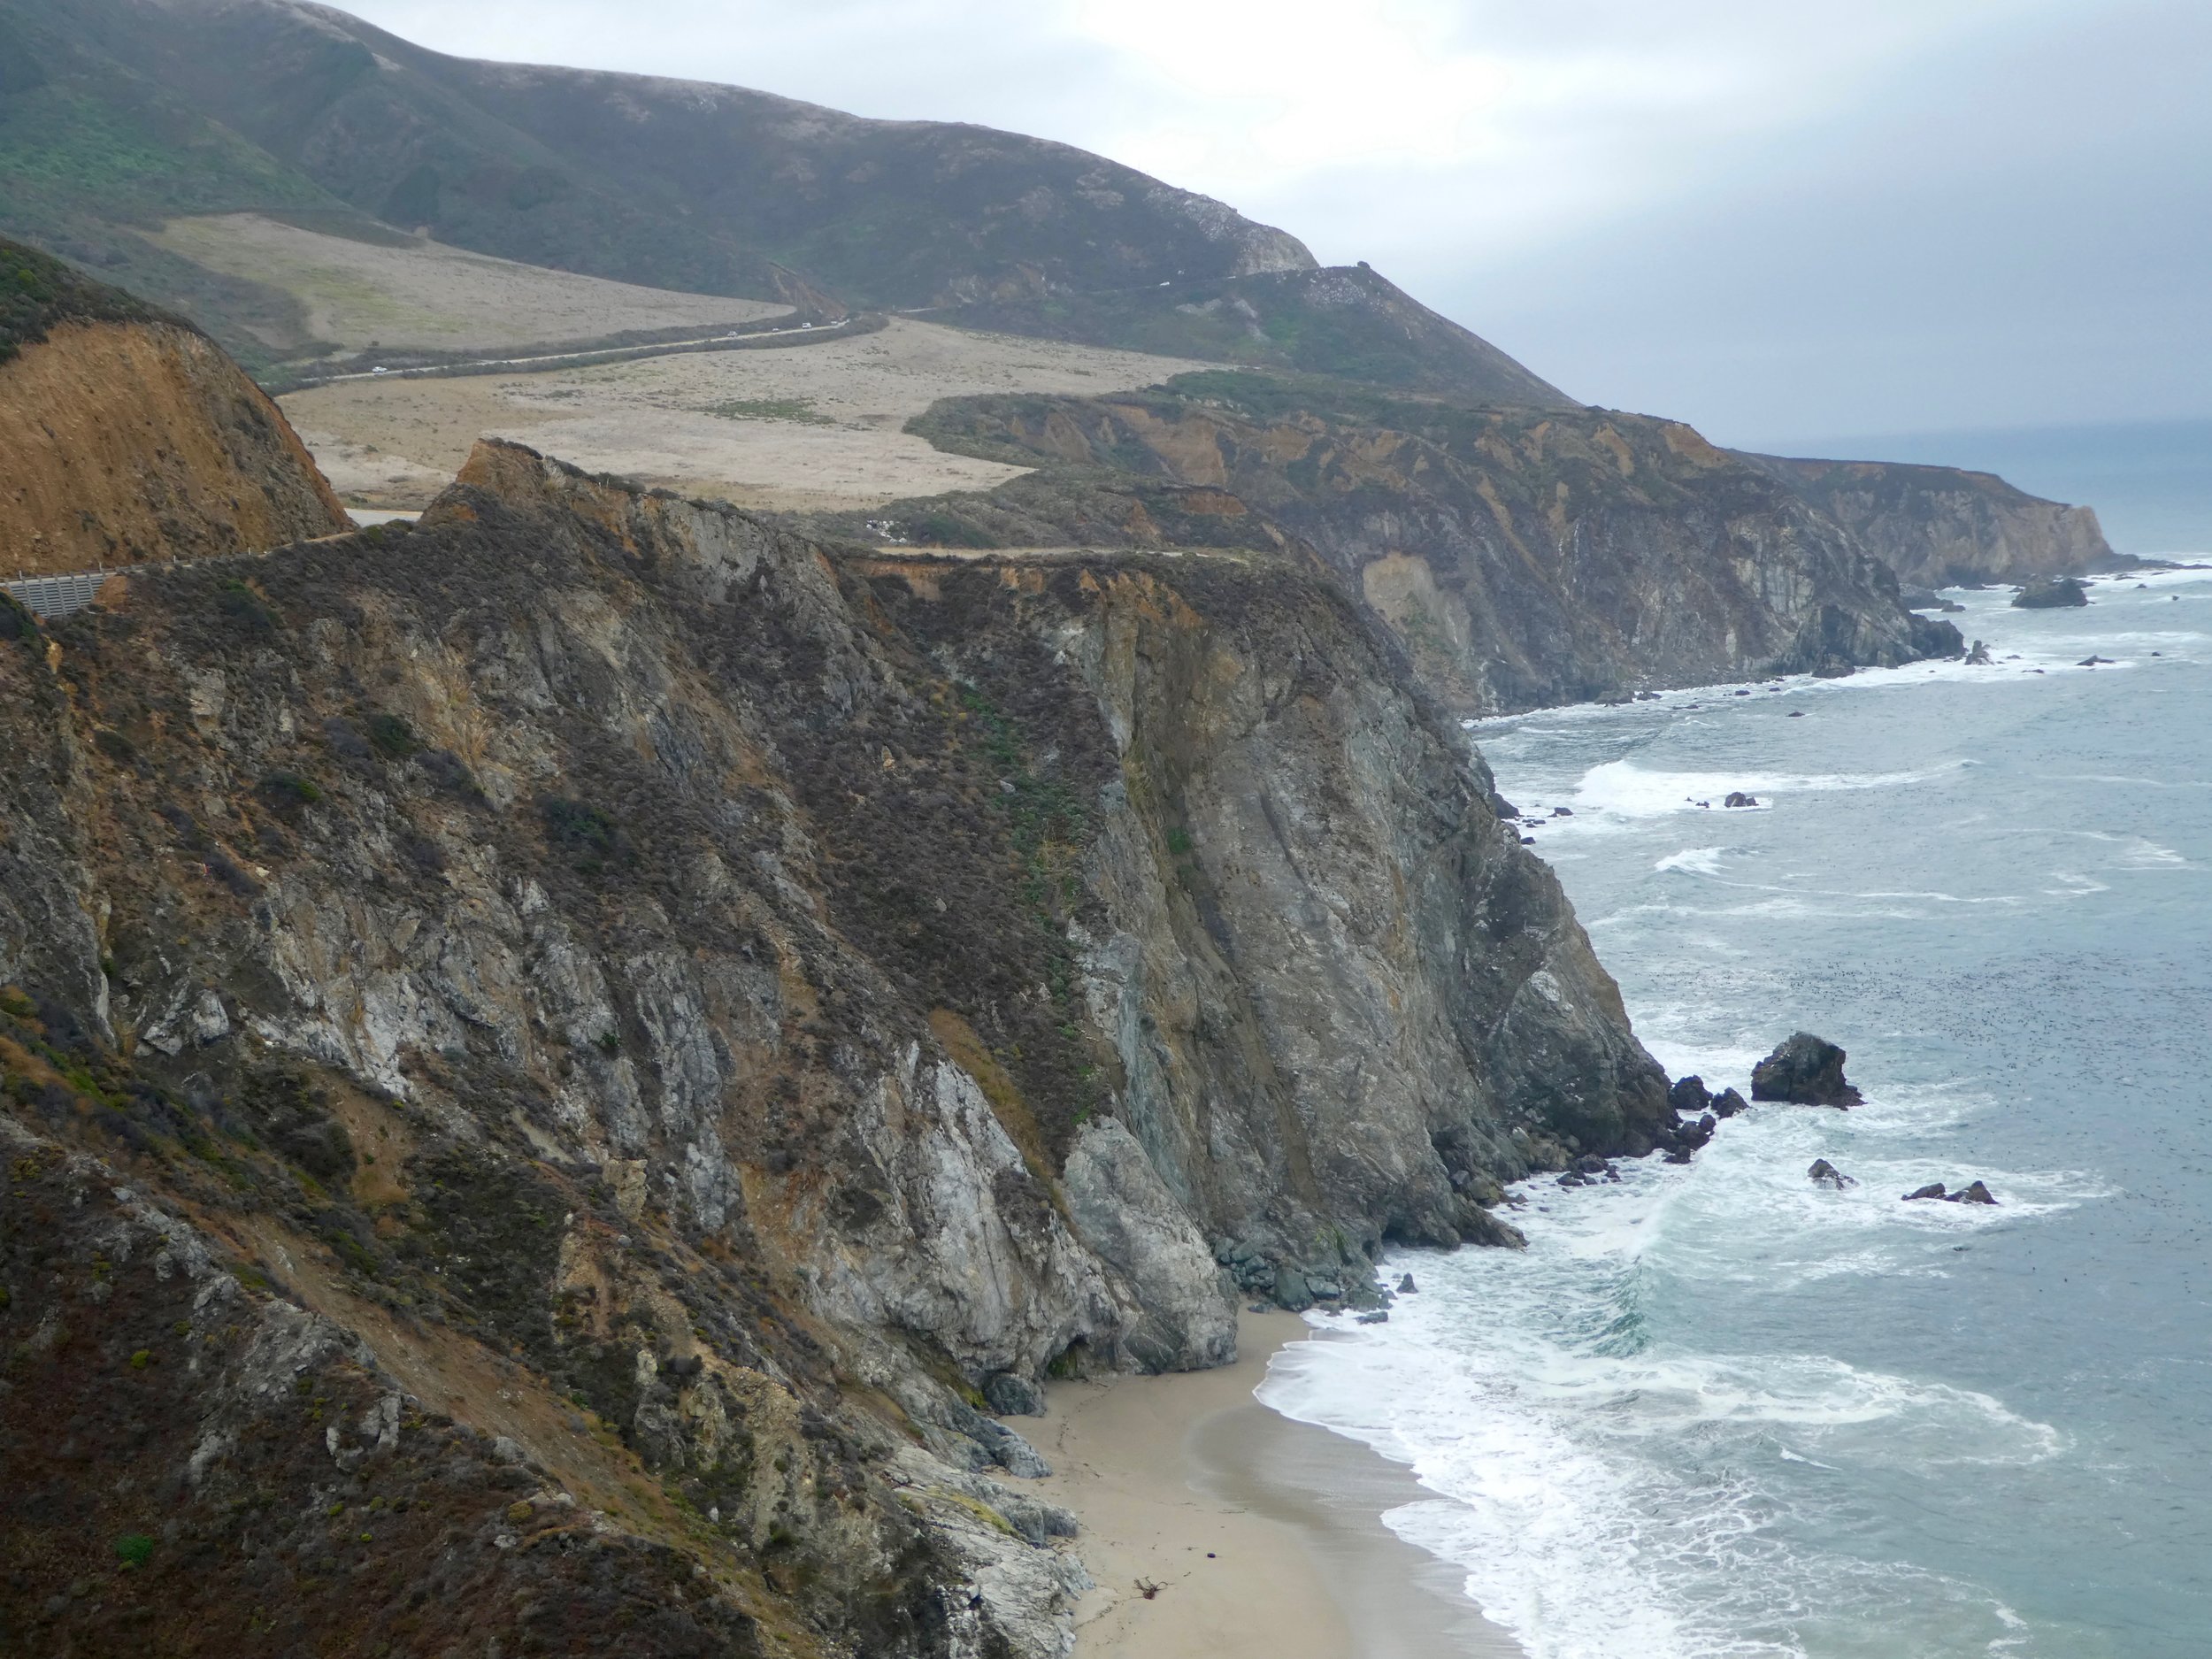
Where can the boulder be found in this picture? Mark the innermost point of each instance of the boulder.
(1124, 1212)
(1503, 807)
(1291, 1290)
(1727, 1103)
(1933, 1189)
(1406, 1286)
(1979, 658)
(1825, 1174)
(1688, 1097)
(1805, 1070)
(2051, 595)
(1975, 1193)
(1736, 797)
(1379, 1316)
(1012, 1396)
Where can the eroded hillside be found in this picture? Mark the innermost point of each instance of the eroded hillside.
(128, 435)
(609, 974)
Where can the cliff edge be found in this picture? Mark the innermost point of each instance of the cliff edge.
(1940, 526)
(604, 1023)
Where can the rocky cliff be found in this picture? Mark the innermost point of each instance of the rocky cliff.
(128, 435)
(552, 1061)
(1937, 525)
(1520, 556)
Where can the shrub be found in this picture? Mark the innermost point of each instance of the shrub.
(289, 788)
(134, 1549)
(244, 607)
(392, 737)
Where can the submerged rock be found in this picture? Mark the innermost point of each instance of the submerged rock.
(1687, 1095)
(1825, 1174)
(1736, 797)
(1976, 1192)
(1805, 1070)
(1979, 658)
(1727, 1103)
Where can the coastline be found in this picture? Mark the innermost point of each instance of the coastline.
(1265, 1535)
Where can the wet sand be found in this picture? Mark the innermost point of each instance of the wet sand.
(1265, 1535)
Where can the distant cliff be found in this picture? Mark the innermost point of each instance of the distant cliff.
(128, 435)
(1520, 557)
(613, 1026)
(1936, 526)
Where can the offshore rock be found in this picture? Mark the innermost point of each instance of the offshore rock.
(1823, 1173)
(1805, 1070)
(2051, 595)
(1688, 1096)
(1727, 1103)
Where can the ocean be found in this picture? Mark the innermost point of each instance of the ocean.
(1718, 1410)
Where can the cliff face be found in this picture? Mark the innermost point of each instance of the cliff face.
(1937, 525)
(606, 972)
(129, 436)
(1522, 557)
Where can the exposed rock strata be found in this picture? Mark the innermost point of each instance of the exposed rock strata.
(1522, 557)
(1937, 525)
(605, 949)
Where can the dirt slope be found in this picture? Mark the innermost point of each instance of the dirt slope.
(130, 442)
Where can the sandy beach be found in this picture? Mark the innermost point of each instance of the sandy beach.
(1265, 1535)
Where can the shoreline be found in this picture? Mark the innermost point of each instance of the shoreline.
(1264, 1535)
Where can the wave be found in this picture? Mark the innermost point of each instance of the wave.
(1623, 790)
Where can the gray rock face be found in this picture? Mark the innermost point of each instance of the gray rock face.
(1520, 556)
(1936, 526)
(806, 978)
(1124, 1212)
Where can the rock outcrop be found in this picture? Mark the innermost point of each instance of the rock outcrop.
(711, 1009)
(1938, 526)
(1807, 1070)
(128, 435)
(2055, 594)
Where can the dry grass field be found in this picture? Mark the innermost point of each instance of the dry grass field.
(426, 296)
(815, 427)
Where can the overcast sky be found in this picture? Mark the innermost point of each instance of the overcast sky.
(1779, 219)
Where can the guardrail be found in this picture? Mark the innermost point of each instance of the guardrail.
(57, 595)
